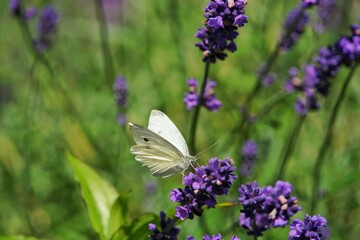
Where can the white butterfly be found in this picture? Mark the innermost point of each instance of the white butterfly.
(161, 147)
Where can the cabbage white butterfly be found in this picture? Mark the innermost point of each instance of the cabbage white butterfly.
(161, 147)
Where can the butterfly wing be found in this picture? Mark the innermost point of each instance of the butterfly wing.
(160, 124)
(159, 155)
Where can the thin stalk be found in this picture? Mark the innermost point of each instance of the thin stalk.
(108, 62)
(244, 108)
(269, 105)
(197, 110)
(289, 146)
(327, 140)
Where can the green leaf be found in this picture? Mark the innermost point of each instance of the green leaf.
(119, 213)
(98, 194)
(140, 227)
(17, 238)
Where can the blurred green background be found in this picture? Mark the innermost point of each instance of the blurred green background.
(152, 45)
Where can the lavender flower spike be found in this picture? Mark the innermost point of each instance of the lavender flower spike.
(266, 207)
(249, 154)
(209, 99)
(159, 234)
(15, 7)
(121, 95)
(203, 187)
(312, 228)
(218, 237)
(223, 18)
(46, 28)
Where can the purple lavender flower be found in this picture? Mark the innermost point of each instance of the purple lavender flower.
(191, 98)
(294, 27)
(29, 13)
(216, 237)
(46, 27)
(312, 228)
(121, 91)
(209, 99)
(327, 15)
(309, 3)
(223, 18)
(203, 187)
(121, 119)
(266, 207)
(249, 153)
(295, 24)
(316, 77)
(15, 7)
(300, 106)
(268, 79)
(121, 95)
(279, 203)
(48, 21)
(159, 234)
(16, 10)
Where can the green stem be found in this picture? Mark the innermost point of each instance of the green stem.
(289, 146)
(271, 103)
(108, 62)
(327, 140)
(197, 110)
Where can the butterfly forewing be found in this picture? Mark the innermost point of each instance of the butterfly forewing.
(159, 155)
(163, 126)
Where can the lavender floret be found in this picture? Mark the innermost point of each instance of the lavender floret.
(223, 18)
(266, 207)
(159, 234)
(312, 228)
(203, 187)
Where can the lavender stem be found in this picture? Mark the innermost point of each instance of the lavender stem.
(289, 147)
(327, 140)
(197, 110)
(108, 62)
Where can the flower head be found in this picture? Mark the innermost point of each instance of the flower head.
(218, 237)
(249, 153)
(294, 27)
(327, 15)
(316, 77)
(159, 234)
(266, 207)
(121, 98)
(15, 7)
(223, 18)
(30, 13)
(46, 27)
(203, 187)
(121, 91)
(279, 203)
(191, 98)
(309, 3)
(48, 21)
(312, 228)
(208, 100)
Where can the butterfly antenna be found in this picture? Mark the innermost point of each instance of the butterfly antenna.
(207, 148)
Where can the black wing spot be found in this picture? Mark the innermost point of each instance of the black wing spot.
(146, 139)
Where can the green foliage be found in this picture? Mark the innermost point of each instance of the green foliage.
(103, 193)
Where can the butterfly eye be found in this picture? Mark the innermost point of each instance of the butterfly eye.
(146, 139)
